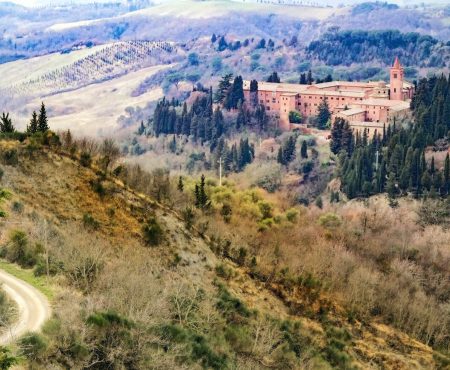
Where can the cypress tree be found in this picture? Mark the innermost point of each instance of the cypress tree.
(280, 156)
(309, 78)
(304, 150)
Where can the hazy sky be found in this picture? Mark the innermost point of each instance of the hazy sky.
(325, 2)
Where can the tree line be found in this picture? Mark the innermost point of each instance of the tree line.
(202, 121)
(394, 161)
(357, 46)
(38, 122)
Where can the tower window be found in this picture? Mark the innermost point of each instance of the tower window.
(395, 89)
(395, 75)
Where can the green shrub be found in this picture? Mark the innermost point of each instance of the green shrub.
(233, 309)
(152, 232)
(19, 251)
(265, 208)
(2, 172)
(242, 256)
(54, 267)
(6, 359)
(17, 207)
(239, 338)
(89, 222)
(224, 272)
(200, 349)
(188, 215)
(330, 221)
(32, 346)
(85, 159)
(295, 117)
(10, 157)
(291, 214)
(97, 186)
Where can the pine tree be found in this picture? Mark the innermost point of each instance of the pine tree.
(223, 89)
(32, 128)
(42, 119)
(6, 125)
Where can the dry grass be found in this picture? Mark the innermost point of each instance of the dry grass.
(141, 282)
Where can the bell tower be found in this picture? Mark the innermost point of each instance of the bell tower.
(396, 83)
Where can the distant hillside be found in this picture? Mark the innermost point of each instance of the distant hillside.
(348, 47)
(101, 64)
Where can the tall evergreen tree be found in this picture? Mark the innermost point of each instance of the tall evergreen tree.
(274, 77)
(223, 88)
(32, 128)
(323, 114)
(6, 125)
(309, 78)
(42, 119)
(304, 150)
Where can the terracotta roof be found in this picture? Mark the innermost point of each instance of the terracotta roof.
(355, 84)
(397, 63)
(384, 102)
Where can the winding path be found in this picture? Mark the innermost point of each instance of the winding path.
(33, 307)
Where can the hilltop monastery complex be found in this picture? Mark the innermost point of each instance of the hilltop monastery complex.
(365, 105)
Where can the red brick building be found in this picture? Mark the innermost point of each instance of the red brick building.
(367, 105)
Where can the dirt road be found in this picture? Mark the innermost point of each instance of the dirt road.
(33, 307)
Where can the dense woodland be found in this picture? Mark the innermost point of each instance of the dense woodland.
(204, 124)
(394, 161)
(348, 47)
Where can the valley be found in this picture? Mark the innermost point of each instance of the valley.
(224, 185)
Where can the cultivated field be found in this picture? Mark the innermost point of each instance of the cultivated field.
(84, 89)
(94, 109)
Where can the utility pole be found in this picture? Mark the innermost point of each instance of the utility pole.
(220, 171)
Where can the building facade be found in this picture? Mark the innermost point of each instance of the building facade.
(365, 105)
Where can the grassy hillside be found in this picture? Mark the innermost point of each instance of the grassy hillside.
(140, 289)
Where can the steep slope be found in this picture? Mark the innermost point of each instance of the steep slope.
(177, 299)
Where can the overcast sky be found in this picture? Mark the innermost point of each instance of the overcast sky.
(325, 2)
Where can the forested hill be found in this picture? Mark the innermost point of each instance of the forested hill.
(347, 47)
(401, 151)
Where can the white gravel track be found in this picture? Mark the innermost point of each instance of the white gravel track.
(33, 307)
